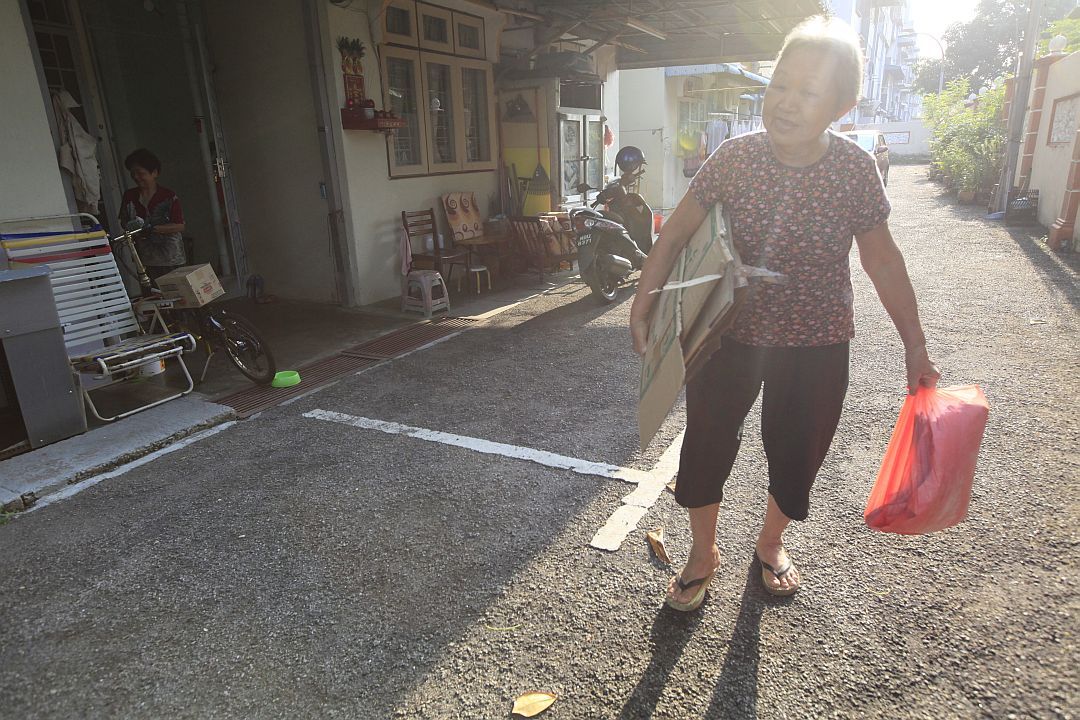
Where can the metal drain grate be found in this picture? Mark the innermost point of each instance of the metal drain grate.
(260, 397)
(407, 339)
(255, 399)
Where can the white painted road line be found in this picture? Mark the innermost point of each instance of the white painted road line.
(626, 518)
(541, 457)
(650, 485)
(116, 472)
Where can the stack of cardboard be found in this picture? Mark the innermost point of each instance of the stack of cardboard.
(696, 306)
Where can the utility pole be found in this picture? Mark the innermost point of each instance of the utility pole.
(1019, 104)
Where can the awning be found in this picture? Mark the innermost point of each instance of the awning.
(666, 33)
(716, 69)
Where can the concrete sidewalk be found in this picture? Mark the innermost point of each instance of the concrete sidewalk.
(32, 475)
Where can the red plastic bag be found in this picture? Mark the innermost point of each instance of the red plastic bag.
(925, 479)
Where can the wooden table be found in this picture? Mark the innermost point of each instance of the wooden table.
(473, 245)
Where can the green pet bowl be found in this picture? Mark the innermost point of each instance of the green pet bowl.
(285, 378)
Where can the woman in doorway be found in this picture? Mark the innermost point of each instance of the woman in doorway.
(797, 194)
(162, 248)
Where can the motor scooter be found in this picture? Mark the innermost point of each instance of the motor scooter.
(614, 242)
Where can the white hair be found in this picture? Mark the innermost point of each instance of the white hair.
(835, 37)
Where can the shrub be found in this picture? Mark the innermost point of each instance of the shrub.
(967, 139)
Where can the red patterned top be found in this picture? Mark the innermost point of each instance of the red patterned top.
(800, 222)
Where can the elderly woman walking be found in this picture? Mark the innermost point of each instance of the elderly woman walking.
(797, 194)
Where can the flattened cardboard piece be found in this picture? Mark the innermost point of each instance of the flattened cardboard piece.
(662, 376)
(713, 336)
(683, 319)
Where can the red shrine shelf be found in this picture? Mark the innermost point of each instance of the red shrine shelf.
(355, 120)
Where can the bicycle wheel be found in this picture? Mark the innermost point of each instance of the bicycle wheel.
(244, 346)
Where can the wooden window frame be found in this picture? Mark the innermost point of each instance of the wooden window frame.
(491, 163)
(447, 16)
(476, 22)
(457, 117)
(411, 55)
(406, 40)
(421, 60)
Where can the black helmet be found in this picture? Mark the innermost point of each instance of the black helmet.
(630, 159)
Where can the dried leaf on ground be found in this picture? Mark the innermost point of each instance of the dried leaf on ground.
(671, 485)
(532, 704)
(656, 542)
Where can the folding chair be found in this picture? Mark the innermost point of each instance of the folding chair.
(105, 343)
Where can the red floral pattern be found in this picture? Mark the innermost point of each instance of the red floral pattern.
(798, 221)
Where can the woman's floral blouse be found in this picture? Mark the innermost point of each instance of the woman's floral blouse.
(800, 222)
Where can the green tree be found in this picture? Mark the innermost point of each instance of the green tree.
(988, 45)
(967, 140)
(927, 75)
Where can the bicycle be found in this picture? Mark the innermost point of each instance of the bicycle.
(212, 326)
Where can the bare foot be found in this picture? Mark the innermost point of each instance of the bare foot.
(775, 555)
(697, 566)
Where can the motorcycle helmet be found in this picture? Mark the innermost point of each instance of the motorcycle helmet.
(629, 159)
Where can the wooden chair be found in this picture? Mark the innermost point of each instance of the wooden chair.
(541, 244)
(105, 342)
(420, 227)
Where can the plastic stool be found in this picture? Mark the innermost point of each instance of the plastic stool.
(425, 291)
(477, 269)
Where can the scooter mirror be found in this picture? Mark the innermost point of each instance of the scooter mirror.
(135, 224)
(583, 188)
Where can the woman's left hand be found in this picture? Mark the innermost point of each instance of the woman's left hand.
(921, 371)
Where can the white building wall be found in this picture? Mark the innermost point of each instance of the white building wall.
(30, 182)
(606, 68)
(643, 108)
(1050, 166)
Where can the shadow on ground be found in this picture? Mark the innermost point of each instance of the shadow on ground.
(735, 696)
(1058, 271)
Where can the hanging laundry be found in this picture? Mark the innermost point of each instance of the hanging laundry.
(77, 154)
(718, 131)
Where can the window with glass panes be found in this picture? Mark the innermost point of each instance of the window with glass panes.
(447, 103)
(476, 102)
(401, 88)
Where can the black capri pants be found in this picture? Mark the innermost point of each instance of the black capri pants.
(804, 389)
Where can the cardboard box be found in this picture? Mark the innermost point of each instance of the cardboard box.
(192, 285)
(698, 304)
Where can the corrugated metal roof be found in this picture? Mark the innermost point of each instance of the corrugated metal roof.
(667, 33)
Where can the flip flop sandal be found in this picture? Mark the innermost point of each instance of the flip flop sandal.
(698, 598)
(777, 573)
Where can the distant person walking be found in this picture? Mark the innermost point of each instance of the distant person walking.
(797, 194)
